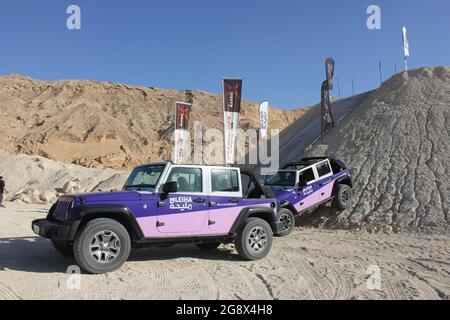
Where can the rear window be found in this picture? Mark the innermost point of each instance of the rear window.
(323, 169)
(280, 179)
(224, 181)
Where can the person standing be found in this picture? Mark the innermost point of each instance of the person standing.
(2, 191)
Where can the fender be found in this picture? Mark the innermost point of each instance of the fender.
(250, 211)
(118, 212)
(342, 180)
(289, 206)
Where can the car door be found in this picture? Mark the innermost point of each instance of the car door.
(307, 187)
(226, 199)
(324, 175)
(185, 212)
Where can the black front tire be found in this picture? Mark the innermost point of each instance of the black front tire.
(343, 199)
(113, 243)
(65, 248)
(287, 220)
(208, 246)
(254, 239)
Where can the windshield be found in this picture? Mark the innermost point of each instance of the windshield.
(144, 178)
(280, 179)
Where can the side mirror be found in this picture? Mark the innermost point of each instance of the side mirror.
(170, 187)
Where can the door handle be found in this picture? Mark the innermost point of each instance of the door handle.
(302, 203)
(199, 200)
(160, 224)
(212, 204)
(211, 222)
(234, 200)
(323, 193)
(161, 204)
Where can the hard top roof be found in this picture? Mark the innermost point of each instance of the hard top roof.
(163, 163)
(306, 162)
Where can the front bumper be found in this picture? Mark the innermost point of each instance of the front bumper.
(55, 230)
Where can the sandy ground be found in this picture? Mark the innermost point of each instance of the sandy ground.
(309, 264)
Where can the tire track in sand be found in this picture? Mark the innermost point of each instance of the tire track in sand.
(325, 285)
(6, 293)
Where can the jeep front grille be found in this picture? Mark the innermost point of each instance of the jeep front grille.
(62, 208)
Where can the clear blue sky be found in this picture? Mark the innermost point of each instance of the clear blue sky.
(278, 46)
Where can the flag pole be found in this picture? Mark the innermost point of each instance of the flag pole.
(381, 75)
(339, 86)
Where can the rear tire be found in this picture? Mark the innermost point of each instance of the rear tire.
(343, 197)
(208, 246)
(102, 245)
(254, 239)
(287, 219)
(64, 248)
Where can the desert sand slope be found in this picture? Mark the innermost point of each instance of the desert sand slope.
(98, 124)
(397, 144)
(305, 130)
(309, 264)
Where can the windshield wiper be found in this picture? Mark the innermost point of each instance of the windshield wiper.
(140, 186)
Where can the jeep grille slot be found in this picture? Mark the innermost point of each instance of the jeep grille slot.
(62, 207)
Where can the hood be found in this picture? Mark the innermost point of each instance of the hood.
(109, 197)
(283, 194)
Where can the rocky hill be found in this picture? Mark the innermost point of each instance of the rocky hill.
(105, 125)
(397, 143)
(33, 179)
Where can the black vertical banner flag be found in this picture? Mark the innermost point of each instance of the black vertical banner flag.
(183, 111)
(327, 118)
(327, 85)
(329, 63)
(232, 95)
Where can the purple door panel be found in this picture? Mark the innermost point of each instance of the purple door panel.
(315, 197)
(183, 214)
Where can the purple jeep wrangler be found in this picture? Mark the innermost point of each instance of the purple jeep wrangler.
(163, 204)
(305, 185)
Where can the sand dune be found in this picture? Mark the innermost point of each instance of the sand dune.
(397, 143)
(105, 125)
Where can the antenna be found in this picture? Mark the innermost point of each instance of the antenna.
(353, 86)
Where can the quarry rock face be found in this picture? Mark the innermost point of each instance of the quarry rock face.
(397, 144)
(48, 197)
(106, 125)
(27, 182)
(71, 187)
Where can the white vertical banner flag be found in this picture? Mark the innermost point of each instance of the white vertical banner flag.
(182, 113)
(264, 119)
(405, 46)
(232, 89)
(181, 140)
